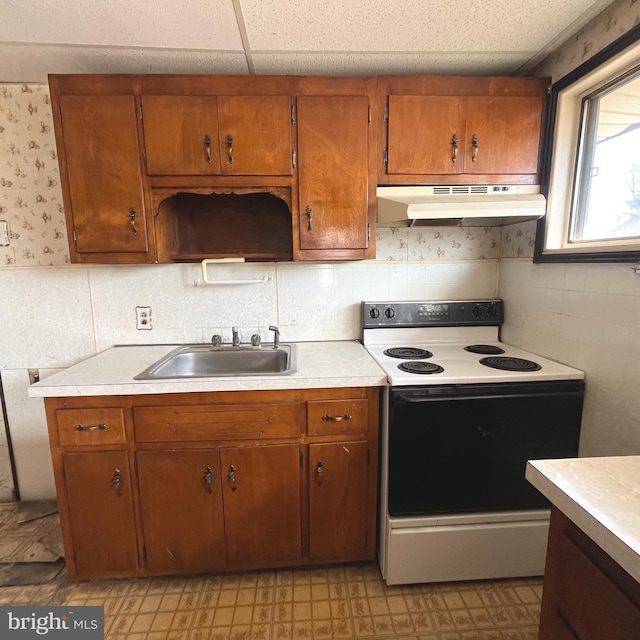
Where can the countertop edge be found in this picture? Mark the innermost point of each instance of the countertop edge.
(606, 538)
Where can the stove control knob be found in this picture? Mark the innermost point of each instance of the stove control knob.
(476, 312)
(374, 313)
(389, 312)
(492, 310)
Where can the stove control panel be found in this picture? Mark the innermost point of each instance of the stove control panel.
(432, 314)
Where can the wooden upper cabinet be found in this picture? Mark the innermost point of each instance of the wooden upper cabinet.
(102, 182)
(457, 130)
(217, 135)
(503, 134)
(333, 153)
(255, 135)
(416, 145)
(180, 135)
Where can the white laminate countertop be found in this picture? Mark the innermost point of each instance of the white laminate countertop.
(601, 496)
(111, 372)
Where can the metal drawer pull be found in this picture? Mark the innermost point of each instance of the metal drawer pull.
(319, 472)
(232, 477)
(474, 142)
(207, 147)
(328, 418)
(116, 481)
(95, 427)
(454, 144)
(230, 148)
(132, 221)
(208, 479)
(308, 212)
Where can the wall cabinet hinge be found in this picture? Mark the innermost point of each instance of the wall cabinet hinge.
(386, 113)
(293, 114)
(385, 157)
(294, 157)
(368, 234)
(369, 116)
(140, 112)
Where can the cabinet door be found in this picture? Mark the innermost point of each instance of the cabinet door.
(181, 505)
(503, 134)
(338, 501)
(103, 173)
(180, 135)
(100, 504)
(333, 149)
(255, 135)
(425, 134)
(262, 519)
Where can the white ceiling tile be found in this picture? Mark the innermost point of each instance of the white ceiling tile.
(412, 25)
(196, 24)
(24, 64)
(316, 63)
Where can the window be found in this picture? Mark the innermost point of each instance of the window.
(591, 174)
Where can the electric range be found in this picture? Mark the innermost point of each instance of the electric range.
(460, 417)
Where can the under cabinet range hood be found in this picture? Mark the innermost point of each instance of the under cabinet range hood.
(461, 205)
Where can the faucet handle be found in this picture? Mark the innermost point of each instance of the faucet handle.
(216, 340)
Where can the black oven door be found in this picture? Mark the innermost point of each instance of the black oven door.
(464, 448)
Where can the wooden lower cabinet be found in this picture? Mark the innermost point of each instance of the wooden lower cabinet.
(586, 594)
(100, 505)
(262, 509)
(337, 485)
(181, 508)
(222, 481)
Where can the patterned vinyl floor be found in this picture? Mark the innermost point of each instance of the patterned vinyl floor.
(348, 601)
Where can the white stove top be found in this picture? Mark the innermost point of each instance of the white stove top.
(459, 366)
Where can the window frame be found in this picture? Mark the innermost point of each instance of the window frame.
(585, 74)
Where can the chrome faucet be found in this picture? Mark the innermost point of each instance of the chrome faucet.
(216, 340)
(236, 337)
(276, 336)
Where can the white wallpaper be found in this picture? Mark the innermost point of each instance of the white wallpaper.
(585, 315)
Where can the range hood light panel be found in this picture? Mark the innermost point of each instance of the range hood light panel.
(474, 205)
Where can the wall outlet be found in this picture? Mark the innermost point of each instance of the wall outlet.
(143, 318)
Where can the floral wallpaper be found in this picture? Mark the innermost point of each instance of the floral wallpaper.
(614, 21)
(428, 243)
(30, 196)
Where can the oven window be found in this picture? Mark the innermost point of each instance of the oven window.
(468, 454)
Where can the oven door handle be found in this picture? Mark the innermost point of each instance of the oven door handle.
(399, 396)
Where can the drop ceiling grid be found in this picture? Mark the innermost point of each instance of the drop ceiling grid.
(412, 25)
(196, 24)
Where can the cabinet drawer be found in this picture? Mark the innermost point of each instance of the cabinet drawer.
(336, 417)
(90, 426)
(215, 422)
